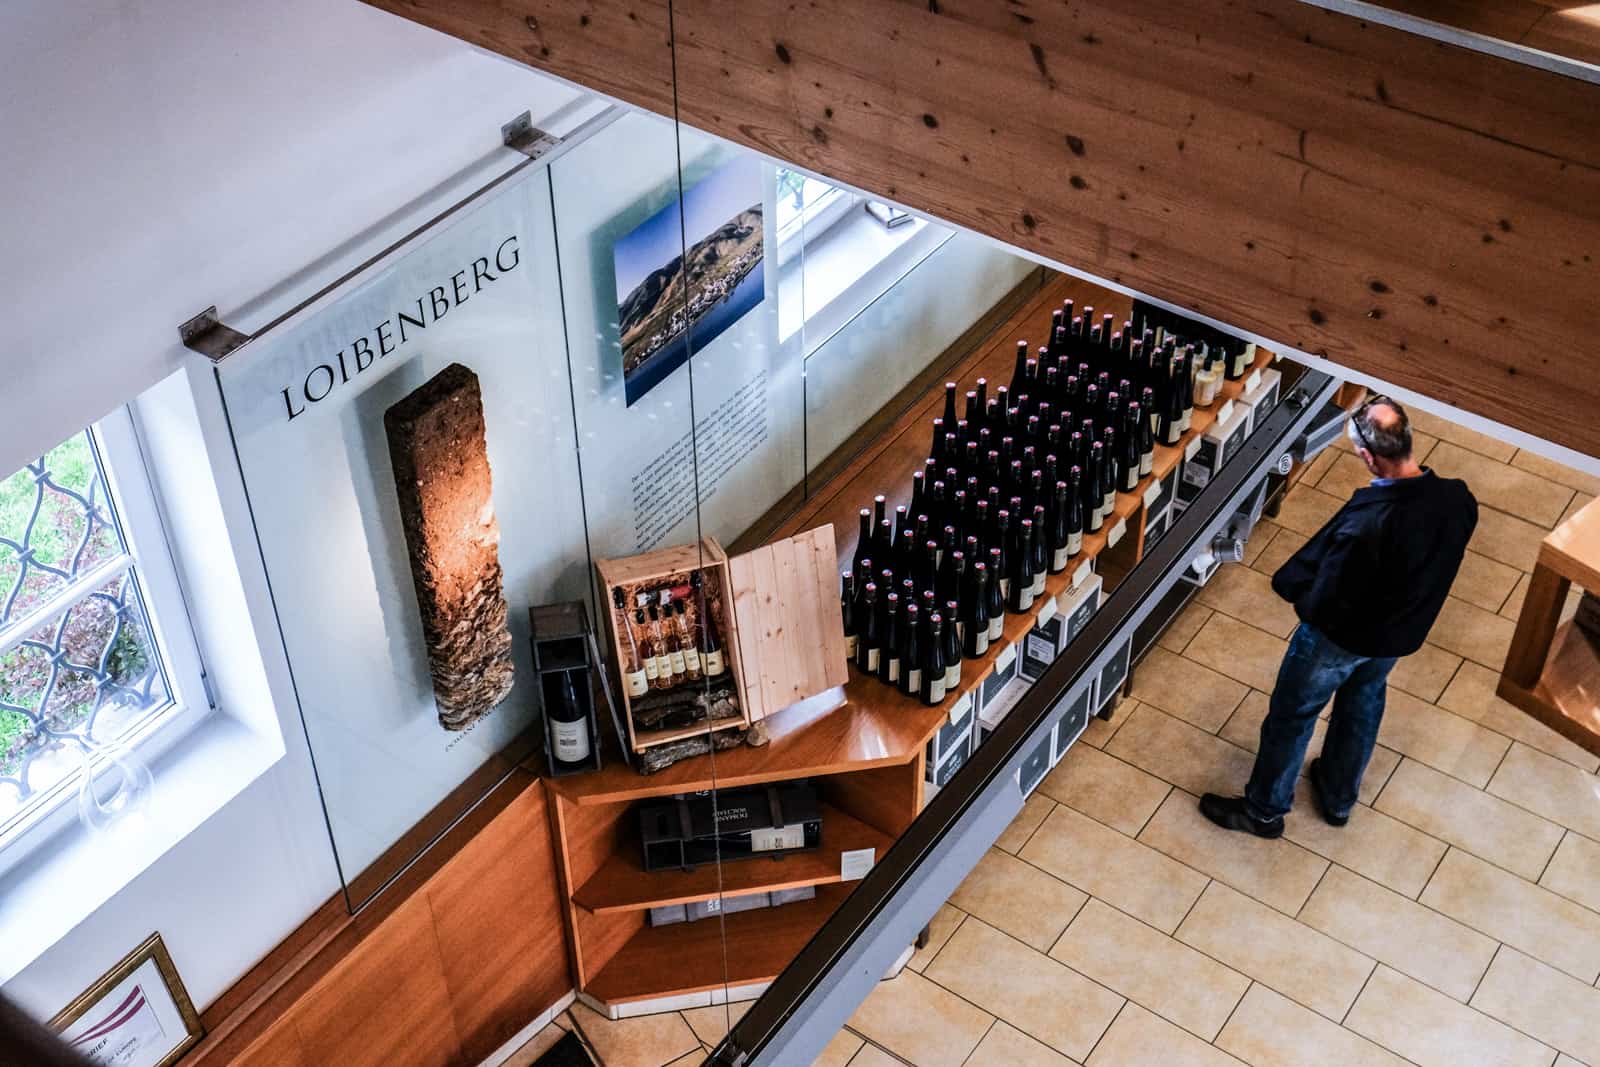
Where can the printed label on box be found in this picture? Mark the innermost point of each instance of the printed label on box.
(855, 863)
(1040, 649)
(1116, 533)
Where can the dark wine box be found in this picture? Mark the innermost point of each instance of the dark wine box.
(1036, 764)
(955, 759)
(993, 699)
(1077, 606)
(1113, 674)
(1217, 445)
(1156, 527)
(688, 830)
(1042, 644)
(955, 732)
(1072, 722)
(563, 642)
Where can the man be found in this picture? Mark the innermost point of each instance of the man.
(1367, 588)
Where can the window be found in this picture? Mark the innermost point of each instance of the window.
(96, 655)
(806, 207)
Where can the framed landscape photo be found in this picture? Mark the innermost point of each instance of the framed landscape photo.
(136, 1015)
(670, 305)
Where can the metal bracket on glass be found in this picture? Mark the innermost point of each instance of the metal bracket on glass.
(210, 337)
(521, 135)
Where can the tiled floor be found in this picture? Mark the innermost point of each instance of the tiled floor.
(1455, 920)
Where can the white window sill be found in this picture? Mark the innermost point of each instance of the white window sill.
(67, 878)
(845, 270)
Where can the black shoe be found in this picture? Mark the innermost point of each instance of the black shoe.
(1322, 802)
(1230, 813)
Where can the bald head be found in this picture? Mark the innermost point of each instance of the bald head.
(1380, 427)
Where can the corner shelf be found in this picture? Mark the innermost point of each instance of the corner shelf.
(622, 883)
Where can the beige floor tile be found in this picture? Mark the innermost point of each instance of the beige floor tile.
(645, 1041)
(1184, 626)
(1305, 509)
(1468, 818)
(1105, 788)
(1005, 1044)
(940, 927)
(1039, 996)
(1574, 871)
(1543, 1003)
(1548, 927)
(1113, 866)
(1347, 474)
(1304, 965)
(1550, 787)
(1372, 844)
(1247, 595)
(1099, 731)
(872, 1056)
(839, 1051)
(1176, 752)
(711, 1024)
(1139, 1037)
(1238, 650)
(1579, 502)
(696, 1058)
(1414, 940)
(1471, 694)
(1018, 898)
(1278, 551)
(1507, 538)
(1257, 542)
(1431, 1029)
(1512, 608)
(537, 1046)
(1277, 872)
(1564, 1060)
(1441, 739)
(1179, 686)
(1243, 728)
(1434, 426)
(1321, 464)
(1033, 812)
(1500, 485)
(1425, 672)
(921, 1021)
(1271, 1030)
(1143, 964)
(1484, 582)
(1470, 631)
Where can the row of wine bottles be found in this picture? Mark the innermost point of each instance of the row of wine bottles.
(1009, 488)
(664, 647)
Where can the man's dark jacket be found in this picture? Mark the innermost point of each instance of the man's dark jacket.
(1375, 576)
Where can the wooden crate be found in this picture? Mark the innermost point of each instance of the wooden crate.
(776, 609)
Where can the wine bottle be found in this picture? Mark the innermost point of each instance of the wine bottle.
(1039, 556)
(1019, 372)
(847, 611)
(933, 667)
(1110, 474)
(889, 660)
(1172, 409)
(936, 445)
(953, 628)
(870, 642)
(974, 410)
(1147, 437)
(911, 651)
(647, 652)
(686, 643)
(879, 505)
(1238, 358)
(711, 661)
(1020, 595)
(567, 712)
(1059, 537)
(994, 599)
(863, 543)
(975, 632)
(951, 568)
(949, 403)
(1093, 495)
(982, 390)
(680, 666)
(1000, 552)
(919, 493)
(665, 678)
(634, 675)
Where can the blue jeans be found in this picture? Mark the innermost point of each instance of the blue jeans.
(1313, 670)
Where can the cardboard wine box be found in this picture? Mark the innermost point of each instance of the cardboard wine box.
(1042, 644)
(955, 732)
(1220, 443)
(776, 609)
(1260, 395)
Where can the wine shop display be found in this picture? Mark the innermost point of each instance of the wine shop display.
(567, 661)
(698, 639)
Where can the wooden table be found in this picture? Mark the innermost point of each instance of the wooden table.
(1552, 669)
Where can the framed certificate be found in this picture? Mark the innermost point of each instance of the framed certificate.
(136, 1015)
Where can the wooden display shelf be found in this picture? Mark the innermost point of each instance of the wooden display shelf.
(742, 949)
(649, 738)
(622, 883)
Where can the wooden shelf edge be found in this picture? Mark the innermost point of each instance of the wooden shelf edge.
(1564, 698)
(622, 883)
(651, 738)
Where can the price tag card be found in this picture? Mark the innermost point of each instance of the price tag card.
(1252, 383)
(1116, 533)
(1152, 494)
(1047, 611)
(1004, 660)
(855, 863)
(959, 709)
(1191, 448)
(1081, 575)
(1224, 413)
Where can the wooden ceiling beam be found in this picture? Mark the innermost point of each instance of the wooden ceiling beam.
(1416, 211)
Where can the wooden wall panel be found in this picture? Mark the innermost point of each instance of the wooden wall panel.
(1406, 208)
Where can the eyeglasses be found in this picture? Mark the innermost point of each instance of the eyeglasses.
(1361, 413)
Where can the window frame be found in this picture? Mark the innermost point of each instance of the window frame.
(141, 523)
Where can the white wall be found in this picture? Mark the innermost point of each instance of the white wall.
(162, 156)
